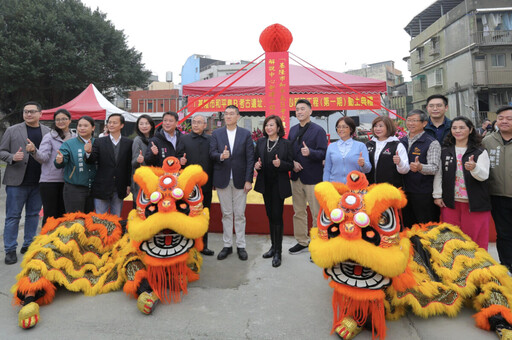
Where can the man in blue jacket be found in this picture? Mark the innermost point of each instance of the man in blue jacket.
(309, 143)
(438, 124)
(232, 151)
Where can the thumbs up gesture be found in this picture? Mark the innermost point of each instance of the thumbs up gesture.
(183, 160)
(60, 158)
(360, 160)
(304, 150)
(470, 164)
(18, 156)
(396, 158)
(225, 154)
(30, 146)
(276, 162)
(88, 146)
(140, 157)
(258, 164)
(154, 149)
(416, 165)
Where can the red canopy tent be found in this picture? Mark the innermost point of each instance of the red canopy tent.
(91, 103)
(302, 80)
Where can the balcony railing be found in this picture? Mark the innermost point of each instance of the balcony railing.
(493, 38)
(501, 77)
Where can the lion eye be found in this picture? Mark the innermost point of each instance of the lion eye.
(387, 220)
(143, 199)
(195, 195)
(324, 220)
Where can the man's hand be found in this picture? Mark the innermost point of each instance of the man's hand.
(225, 154)
(18, 156)
(304, 150)
(88, 146)
(60, 158)
(416, 165)
(247, 187)
(154, 149)
(183, 160)
(257, 165)
(30, 146)
(297, 166)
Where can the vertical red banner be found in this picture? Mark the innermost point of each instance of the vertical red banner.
(277, 87)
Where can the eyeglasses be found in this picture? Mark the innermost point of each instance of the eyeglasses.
(413, 120)
(59, 120)
(342, 127)
(197, 122)
(31, 112)
(431, 106)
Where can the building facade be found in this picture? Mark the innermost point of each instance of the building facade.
(463, 49)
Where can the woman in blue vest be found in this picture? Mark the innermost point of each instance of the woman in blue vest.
(460, 185)
(387, 155)
(346, 154)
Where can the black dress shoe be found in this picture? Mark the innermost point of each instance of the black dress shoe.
(268, 254)
(11, 258)
(224, 253)
(207, 252)
(276, 260)
(242, 254)
(23, 250)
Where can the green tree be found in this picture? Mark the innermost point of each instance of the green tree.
(50, 50)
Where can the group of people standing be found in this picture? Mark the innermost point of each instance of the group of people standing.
(443, 167)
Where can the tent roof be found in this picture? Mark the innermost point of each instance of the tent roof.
(91, 103)
(302, 80)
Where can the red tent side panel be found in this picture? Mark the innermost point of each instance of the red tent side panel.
(85, 104)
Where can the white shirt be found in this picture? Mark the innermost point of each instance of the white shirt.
(115, 142)
(403, 166)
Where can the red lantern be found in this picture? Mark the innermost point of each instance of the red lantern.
(276, 38)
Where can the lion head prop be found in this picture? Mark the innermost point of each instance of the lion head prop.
(152, 262)
(379, 272)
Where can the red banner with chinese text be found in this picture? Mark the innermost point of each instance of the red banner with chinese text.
(277, 86)
(319, 102)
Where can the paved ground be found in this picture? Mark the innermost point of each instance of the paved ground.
(232, 300)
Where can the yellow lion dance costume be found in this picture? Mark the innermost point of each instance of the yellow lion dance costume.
(153, 261)
(378, 272)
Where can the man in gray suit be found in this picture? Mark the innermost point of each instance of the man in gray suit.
(21, 179)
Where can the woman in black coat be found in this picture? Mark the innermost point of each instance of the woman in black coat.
(273, 162)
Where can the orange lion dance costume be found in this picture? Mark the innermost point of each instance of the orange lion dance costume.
(378, 272)
(153, 261)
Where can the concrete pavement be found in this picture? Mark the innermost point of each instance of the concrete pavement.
(232, 300)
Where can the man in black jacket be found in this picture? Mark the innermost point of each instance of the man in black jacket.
(165, 141)
(113, 155)
(194, 148)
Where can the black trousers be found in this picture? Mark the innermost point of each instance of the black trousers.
(420, 208)
(501, 212)
(274, 207)
(77, 198)
(52, 198)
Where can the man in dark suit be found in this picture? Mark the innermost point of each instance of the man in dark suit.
(113, 155)
(194, 148)
(232, 152)
(165, 142)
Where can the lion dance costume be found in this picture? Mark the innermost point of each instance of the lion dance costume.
(153, 261)
(378, 272)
